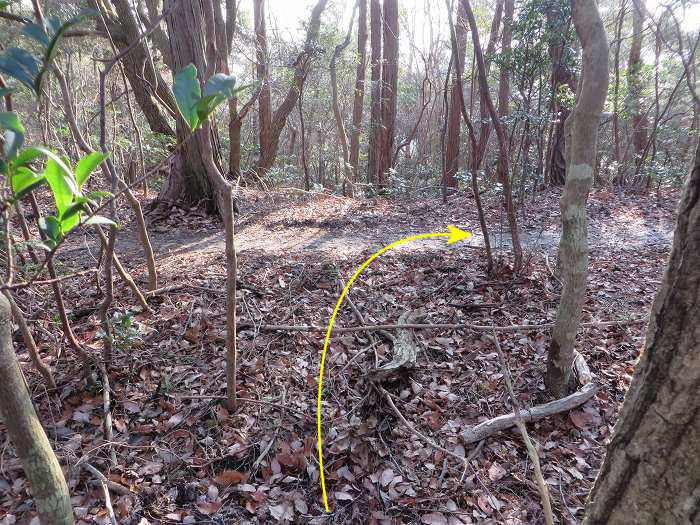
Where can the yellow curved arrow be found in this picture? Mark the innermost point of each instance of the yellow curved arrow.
(455, 234)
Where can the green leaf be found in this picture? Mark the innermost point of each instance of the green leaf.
(25, 180)
(187, 94)
(26, 156)
(57, 29)
(36, 32)
(60, 186)
(207, 105)
(99, 219)
(94, 195)
(14, 134)
(20, 64)
(51, 228)
(6, 91)
(220, 84)
(86, 166)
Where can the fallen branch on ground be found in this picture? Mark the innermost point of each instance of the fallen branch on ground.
(531, 450)
(464, 461)
(431, 326)
(490, 427)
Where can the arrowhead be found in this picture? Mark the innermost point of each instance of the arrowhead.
(456, 234)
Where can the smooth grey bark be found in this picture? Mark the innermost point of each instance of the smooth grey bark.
(583, 124)
(26, 433)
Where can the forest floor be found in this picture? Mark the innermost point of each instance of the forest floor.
(183, 458)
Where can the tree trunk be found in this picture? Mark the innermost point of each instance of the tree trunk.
(634, 79)
(359, 87)
(485, 127)
(374, 147)
(263, 76)
(24, 429)
(342, 136)
(558, 23)
(195, 176)
(651, 471)
(147, 83)
(390, 80)
(453, 115)
(504, 163)
(268, 153)
(581, 156)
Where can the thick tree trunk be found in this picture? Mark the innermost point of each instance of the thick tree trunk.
(375, 123)
(24, 429)
(651, 471)
(195, 177)
(453, 115)
(359, 87)
(390, 80)
(149, 87)
(581, 155)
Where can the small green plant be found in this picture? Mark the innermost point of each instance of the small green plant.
(125, 334)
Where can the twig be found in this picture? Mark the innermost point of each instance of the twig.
(17, 286)
(531, 451)
(112, 485)
(425, 438)
(432, 326)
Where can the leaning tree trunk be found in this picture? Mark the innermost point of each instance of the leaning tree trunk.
(503, 156)
(581, 154)
(342, 136)
(33, 448)
(268, 153)
(651, 471)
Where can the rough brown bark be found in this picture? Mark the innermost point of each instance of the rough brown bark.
(49, 487)
(581, 154)
(358, 101)
(150, 91)
(374, 146)
(651, 471)
(301, 68)
(562, 75)
(634, 80)
(195, 177)
(390, 79)
(453, 115)
(262, 73)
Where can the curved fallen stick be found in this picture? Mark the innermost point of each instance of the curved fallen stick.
(490, 427)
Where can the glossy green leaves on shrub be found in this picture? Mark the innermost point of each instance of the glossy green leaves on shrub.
(194, 106)
(29, 69)
(14, 133)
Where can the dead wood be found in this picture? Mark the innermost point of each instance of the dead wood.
(405, 351)
(490, 427)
